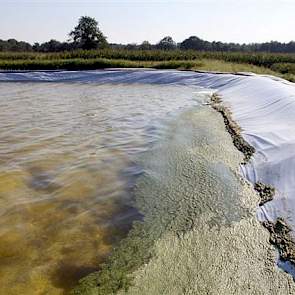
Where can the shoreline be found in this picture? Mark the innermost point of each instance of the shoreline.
(279, 230)
(184, 230)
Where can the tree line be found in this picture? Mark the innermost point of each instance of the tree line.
(87, 35)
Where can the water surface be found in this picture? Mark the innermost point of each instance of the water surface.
(67, 167)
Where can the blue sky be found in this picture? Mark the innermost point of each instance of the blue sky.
(135, 21)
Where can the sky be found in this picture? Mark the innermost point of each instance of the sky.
(242, 21)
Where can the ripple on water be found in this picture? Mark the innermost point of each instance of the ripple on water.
(67, 169)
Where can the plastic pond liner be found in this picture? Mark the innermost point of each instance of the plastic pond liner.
(199, 193)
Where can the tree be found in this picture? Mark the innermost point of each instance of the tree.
(87, 34)
(131, 46)
(145, 45)
(14, 45)
(166, 43)
(50, 46)
(192, 42)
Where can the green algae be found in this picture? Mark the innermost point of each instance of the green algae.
(199, 234)
(127, 257)
(224, 249)
(219, 257)
(170, 200)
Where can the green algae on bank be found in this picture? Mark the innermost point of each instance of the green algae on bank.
(199, 234)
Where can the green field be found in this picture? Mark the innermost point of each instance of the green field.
(282, 65)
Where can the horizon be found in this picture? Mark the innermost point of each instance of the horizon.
(270, 20)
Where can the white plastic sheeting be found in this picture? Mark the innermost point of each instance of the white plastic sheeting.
(263, 106)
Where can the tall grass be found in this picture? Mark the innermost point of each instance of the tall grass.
(92, 59)
(259, 59)
(92, 64)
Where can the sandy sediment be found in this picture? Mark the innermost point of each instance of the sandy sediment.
(200, 234)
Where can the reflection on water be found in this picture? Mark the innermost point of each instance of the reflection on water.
(67, 154)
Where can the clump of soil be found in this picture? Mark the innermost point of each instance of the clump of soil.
(279, 231)
(234, 130)
(280, 237)
(265, 191)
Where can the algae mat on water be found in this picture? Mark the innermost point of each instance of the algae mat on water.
(199, 234)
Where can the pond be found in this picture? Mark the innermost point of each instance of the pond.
(67, 169)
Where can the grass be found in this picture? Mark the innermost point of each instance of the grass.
(91, 64)
(282, 65)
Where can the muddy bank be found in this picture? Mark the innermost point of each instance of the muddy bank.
(200, 234)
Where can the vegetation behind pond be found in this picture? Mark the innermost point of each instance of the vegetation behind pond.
(88, 49)
(282, 65)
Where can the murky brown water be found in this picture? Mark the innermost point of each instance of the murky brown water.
(67, 164)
